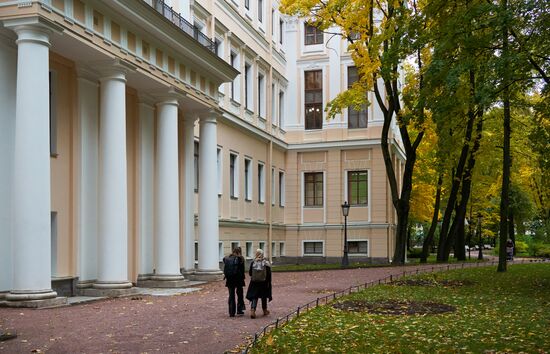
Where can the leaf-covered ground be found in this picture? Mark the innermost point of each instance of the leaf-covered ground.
(495, 313)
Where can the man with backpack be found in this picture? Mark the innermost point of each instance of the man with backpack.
(233, 270)
(260, 283)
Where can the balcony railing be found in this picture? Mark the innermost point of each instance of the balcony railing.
(183, 24)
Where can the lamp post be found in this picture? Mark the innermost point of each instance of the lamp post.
(480, 245)
(345, 212)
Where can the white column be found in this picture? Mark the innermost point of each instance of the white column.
(146, 187)
(189, 194)
(167, 222)
(113, 199)
(88, 111)
(31, 183)
(208, 197)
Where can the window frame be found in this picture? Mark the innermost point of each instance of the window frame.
(313, 35)
(304, 254)
(359, 253)
(313, 108)
(315, 190)
(248, 189)
(233, 175)
(261, 182)
(282, 189)
(355, 201)
(353, 114)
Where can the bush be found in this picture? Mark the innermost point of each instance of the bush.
(415, 253)
(521, 247)
(539, 249)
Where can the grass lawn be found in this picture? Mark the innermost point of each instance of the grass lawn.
(495, 312)
(326, 266)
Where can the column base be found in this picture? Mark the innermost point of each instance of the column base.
(36, 304)
(142, 277)
(83, 284)
(187, 272)
(29, 295)
(152, 283)
(108, 292)
(112, 285)
(207, 275)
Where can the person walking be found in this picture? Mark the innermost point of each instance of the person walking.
(260, 283)
(233, 271)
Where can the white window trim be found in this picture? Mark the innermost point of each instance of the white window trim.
(261, 183)
(360, 254)
(369, 202)
(283, 253)
(220, 170)
(236, 172)
(231, 245)
(281, 109)
(249, 86)
(311, 48)
(304, 190)
(273, 248)
(273, 184)
(282, 188)
(312, 255)
(251, 250)
(220, 250)
(262, 91)
(248, 176)
(260, 243)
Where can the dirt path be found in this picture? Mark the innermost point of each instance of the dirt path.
(190, 323)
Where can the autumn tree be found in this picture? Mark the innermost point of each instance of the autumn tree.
(380, 38)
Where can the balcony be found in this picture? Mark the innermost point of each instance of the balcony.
(192, 30)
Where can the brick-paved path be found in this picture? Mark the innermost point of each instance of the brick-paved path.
(190, 323)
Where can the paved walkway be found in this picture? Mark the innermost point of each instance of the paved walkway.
(195, 322)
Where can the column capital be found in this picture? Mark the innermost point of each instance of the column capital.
(33, 29)
(112, 69)
(84, 72)
(209, 116)
(147, 100)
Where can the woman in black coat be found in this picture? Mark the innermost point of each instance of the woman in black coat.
(259, 289)
(235, 282)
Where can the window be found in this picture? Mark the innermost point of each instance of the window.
(273, 24)
(272, 186)
(281, 108)
(282, 249)
(233, 62)
(261, 183)
(247, 4)
(220, 250)
(313, 248)
(273, 249)
(196, 251)
(358, 187)
(218, 47)
(53, 116)
(219, 167)
(313, 99)
(273, 116)
(249, 253)
(356, 119)
(233, 175)
(312, 35)
(261, 245)
(260, 10)
(247, 179)
(281, 189)
(248, 86)
(313, 185)
(234, 244)
(196, 163)
(261, 95)
(281, 31)
(358, 247)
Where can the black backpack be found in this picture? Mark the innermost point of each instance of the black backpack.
(231, 266)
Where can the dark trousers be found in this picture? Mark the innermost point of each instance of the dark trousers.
(255, 303)
(239, 305)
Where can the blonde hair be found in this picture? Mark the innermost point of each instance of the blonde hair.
(259, 253)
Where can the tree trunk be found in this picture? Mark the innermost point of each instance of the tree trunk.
(442, 255)
(506, 161)
(457, 230)
(428, 241)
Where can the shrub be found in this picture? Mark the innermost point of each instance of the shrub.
(521, 247)
(415, 253)
(539, 249)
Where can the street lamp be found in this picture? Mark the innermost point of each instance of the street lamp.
(479, 220)
(345, 212)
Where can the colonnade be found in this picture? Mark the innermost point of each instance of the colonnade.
(104, 212)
